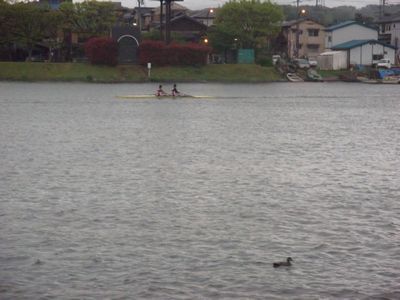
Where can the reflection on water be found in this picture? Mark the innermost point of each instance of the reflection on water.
(103, 198)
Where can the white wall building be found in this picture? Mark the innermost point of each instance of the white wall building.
(389, 32)
(332, 60)
(363, 52)
(348, 31)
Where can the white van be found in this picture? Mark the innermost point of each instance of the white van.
(384, 63)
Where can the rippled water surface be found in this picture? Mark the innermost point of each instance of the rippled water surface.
(104, 198)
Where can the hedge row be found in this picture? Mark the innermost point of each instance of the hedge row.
(102, 51)
(160, 54)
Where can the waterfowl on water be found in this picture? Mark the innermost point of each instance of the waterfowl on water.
(286, 263)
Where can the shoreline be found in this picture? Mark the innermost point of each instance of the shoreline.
(84, 72)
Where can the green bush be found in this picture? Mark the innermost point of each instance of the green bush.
(264, 61)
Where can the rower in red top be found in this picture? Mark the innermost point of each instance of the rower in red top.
(160, 91)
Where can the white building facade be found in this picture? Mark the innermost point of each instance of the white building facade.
(389, 32)
(363, 52)
(348, 31)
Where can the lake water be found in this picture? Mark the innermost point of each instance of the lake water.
(103, 198)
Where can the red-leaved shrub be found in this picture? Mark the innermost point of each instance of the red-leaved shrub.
(174, 54)
(102, 51)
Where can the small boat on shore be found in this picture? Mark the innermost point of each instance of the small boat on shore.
(386, 80)
(293, 77)
(312, 75)
(385, 76)
(391, 80)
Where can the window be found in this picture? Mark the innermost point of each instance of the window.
(313, 46)
(329, 39)
(313, 32)
(377, 56)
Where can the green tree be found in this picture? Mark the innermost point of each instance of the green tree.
(363, 19)
(54, 25)
(32, 25)
(88, 19)
(91, 17)
(245, 24)
(7, 22)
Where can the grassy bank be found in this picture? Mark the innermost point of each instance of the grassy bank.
(23, 71)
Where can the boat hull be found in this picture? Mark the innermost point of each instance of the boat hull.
(161, 97)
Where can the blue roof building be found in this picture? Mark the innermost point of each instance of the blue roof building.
(366, 52)
(348, 31)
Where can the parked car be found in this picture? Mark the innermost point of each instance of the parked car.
(301, 63)
(384, 63)
(313, 62)
(275, 59)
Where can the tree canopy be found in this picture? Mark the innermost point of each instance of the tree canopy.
(91, 17)
(245, 23)
(27, 24)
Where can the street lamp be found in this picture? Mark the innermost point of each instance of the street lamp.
(235, 40)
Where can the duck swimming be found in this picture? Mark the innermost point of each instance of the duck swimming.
(286, 263)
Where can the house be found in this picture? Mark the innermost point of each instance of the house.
(389, 32)
(359, 42)
(311, 37)
(348, 31)
(364, 52)
(190, 29)
(143, 17)
(205, 16)
(176, 10)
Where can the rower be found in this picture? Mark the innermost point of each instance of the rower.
(175, 91)
(160, 91)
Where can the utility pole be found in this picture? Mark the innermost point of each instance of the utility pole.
(140, 2)
(161, 20)
(296, 53)
(168, 21)
(382, 4)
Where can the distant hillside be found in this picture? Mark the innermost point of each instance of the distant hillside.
(373, 10)
(329, 16)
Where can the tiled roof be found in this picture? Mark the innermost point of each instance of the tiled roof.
(348, 23)
(294, 22)
(357, 43)
(203, 13)
(389, 19)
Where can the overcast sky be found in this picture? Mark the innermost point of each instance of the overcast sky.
(199, 4)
